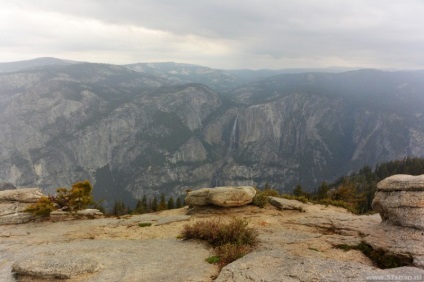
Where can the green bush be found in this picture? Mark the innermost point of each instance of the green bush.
(213, 259)
(77, 198)
(229, 252)
(145, 224)
(231, 241)
(338, 203)
(43, 207)
(261, 197)
(217, 233)
(303, 199)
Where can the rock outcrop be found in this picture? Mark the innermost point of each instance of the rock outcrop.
(400, 200)
(59, 266)
(24, 195)
(286, 204)
(293, 247)
(221, 196)
(398, 241)
(284, 267)
(105, 249)
(14, 202)
(60, 215)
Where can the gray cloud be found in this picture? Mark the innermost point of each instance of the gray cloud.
(227, 34)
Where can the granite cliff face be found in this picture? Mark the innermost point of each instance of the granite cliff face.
(134, 132)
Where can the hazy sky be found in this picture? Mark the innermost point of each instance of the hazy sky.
(220, 34)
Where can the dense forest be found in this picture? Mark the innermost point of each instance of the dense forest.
(146, 205)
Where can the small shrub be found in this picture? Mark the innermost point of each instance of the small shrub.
(302, 199)
(43, 207)
(203, 230)
(217, 234)
(213, 259)
(261, 197)
(231, 241)
(229, 252)
(346, 247)
(77, 198)
(145, 224)
(339, 203)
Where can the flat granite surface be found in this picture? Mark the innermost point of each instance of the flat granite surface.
(118, 249)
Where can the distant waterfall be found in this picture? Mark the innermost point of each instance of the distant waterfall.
(216, 179)
(233, 140)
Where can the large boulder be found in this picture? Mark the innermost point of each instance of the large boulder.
(221, 196)
(24, 195)
(286, 204)
(14, 202)
(400, 200)
(198, 197)
(13, 213)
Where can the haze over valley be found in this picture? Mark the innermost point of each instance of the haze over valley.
(146, 129)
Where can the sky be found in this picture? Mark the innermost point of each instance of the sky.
(229, 34)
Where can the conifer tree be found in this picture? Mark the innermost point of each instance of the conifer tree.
(139, 208)
(298, 191)
(162, 204)
(178, 204)
(171, 204)
(144, 203)
(322, 192)
(119, 208)
(154, 204)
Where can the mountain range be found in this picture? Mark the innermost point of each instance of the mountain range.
(151, 128)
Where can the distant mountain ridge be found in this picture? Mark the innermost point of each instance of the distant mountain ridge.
(219, 80)
(34, 63)
(152, 128)
(179, 73)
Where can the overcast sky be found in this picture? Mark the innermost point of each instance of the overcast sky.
(220, 33)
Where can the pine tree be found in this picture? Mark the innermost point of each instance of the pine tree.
(322, 192)
(119, 208)
(162, 204)
(178, 204)
(144, 204)
(154, 204)
(171, 204)
(298, 191)
(139, 208)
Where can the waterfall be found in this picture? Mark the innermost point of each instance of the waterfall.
(216, 179)
(233, 135)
